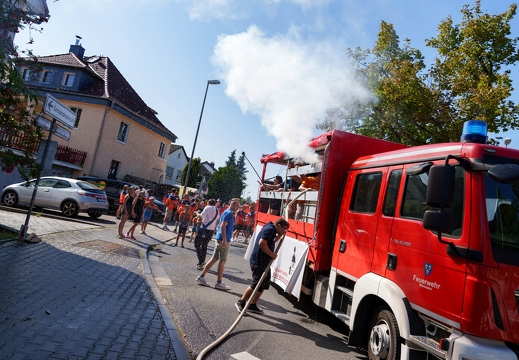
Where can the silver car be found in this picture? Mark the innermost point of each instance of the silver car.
(68, 195)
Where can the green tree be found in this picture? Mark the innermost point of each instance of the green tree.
(240, 165)
(231, 160)
(225, 184)
(17, 128)
(473, 69)
(470, 79)
(195, 175)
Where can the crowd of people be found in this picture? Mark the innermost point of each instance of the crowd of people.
(204, 220)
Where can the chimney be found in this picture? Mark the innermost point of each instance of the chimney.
(77, 49)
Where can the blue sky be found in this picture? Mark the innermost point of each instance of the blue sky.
(281, 63)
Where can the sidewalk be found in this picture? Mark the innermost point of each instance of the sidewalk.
(82, 293)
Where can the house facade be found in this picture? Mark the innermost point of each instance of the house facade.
(115, 130)
(177, 160)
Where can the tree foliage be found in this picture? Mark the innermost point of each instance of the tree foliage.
(228, 182)
(469, 80)
(225, 184)
(195, 175)
(18, 133)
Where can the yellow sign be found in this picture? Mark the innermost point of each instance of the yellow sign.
(101, 184)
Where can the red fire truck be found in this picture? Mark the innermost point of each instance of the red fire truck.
(415, 249)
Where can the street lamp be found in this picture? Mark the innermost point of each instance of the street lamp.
(209, 82)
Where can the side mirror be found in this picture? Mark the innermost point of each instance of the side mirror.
(437, 221)
(440, 186)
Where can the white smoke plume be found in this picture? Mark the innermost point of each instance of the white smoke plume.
(287, 81)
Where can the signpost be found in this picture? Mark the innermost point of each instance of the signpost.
(59, 111)
(58, 130)
(67, 117)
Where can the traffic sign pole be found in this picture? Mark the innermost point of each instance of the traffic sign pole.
(23, 229)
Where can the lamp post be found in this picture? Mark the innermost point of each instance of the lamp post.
(209, 82)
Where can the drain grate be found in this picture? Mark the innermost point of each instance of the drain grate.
(109, 247)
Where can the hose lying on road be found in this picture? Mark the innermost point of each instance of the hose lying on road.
(228, 332)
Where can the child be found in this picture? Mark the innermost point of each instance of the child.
(149, 205)
(197, 225)
(183, 223)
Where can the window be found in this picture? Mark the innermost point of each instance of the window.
(169, 172)
(179, 177)
(162, 150)
(178, 156)
(114, 169)
(365, 193)
(122, 136)
(62, 184)
(26, 74)
(47, 77)
(414, 206)
(78, 116)
(68, 79)
(392, 193)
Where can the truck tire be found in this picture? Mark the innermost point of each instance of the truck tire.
(384, 336)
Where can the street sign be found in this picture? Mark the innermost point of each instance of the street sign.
(59, 111)
(62, 133)
(43, 123)
(58, 130)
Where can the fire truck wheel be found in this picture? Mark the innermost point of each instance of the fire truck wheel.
(384, 337)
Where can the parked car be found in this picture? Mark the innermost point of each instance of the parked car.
(71, 196)
(113, 188)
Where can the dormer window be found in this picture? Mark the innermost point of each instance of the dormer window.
(26, 74)
(47, 77)
(68, 79)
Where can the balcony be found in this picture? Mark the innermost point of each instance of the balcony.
(18, 141)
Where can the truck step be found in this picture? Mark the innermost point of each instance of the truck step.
(428, 344)
(342, 316)
(346, 291)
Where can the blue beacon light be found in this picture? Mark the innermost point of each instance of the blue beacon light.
(474, 131)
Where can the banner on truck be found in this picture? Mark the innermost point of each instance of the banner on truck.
(287, 270)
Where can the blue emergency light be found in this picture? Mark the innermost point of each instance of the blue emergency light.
(474, 131)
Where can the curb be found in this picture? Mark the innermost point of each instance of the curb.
(177, 341)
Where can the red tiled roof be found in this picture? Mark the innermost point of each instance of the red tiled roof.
(111, 85)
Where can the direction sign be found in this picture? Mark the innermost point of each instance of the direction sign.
(43, 123)
(58, 130)
(62, 133)
(59, 111)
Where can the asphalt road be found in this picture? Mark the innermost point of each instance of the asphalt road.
(288, 329)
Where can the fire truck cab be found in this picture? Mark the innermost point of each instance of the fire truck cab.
(415, 249)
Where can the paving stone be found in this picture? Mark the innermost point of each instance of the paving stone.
(62, 301)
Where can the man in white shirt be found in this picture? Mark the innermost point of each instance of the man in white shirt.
(209, 222)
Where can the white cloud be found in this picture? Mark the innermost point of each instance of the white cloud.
(286, 80)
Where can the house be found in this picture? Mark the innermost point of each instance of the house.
(115, 133)
(176, 162)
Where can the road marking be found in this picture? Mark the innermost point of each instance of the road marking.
(244, 356)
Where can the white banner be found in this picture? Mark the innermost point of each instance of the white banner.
(287, 270)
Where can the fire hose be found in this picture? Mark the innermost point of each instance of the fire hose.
(242, 314)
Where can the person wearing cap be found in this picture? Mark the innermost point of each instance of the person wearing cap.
(149, 206)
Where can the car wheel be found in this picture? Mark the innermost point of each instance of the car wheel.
(10, 198)
(384, 338)
(70, 208)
